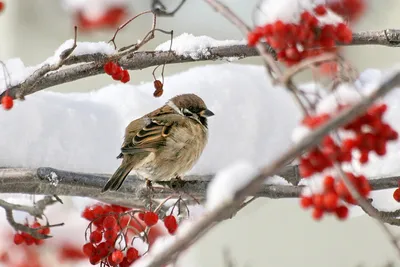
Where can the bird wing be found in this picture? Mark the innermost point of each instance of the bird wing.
(150, 136)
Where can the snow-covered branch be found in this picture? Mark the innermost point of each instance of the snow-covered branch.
(91, 64)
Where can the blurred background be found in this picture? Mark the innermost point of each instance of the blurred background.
(269, 232)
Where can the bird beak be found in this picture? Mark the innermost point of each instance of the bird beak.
(206, 113)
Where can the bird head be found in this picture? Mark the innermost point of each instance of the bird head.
(191, 106)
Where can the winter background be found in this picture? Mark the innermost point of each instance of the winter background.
(79, 128)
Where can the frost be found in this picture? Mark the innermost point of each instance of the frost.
(227, 182)
(195, 47)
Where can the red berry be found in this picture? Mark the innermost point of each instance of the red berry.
(317, 214)
(18, 239)
(1, 6)
(292, 53)
(318, 200)
(150, 218)
(320, 10)
(115, 68)
(108, 67)
(170, 223)
(7, 102)
(330, 200)
(110, 235)
(364, 156)
(329, 183)
(141, 216)
(252, 38)
(342, 212)
(95, 237)
(158, 85)
(88, 214)
(343, 33)
(132, 254)
(109, 222)
(39, 241)
(306, 202)
(88, 249)
(396, 196)
(94, 259)
(117, 76)
(125, 77)
(117, 256)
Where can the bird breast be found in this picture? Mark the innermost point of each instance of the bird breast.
(183, 148)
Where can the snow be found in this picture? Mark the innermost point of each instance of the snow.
(239, 95)
(195, 47)
(228, 182)
(82, 48)
(289, 11)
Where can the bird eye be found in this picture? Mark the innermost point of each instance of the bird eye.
(187, 112)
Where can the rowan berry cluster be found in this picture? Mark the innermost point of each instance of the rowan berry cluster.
(312, 35)
(25, 238)
(334, 193)
(370, 134)
(111, 225)
(117, 72)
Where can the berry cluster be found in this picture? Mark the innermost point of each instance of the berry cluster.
(111, 225)
(311, 36)
(7, 102)
(117, 72)
(22, 237)
(371, 134)
(334, 193)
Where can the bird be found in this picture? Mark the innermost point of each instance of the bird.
(165, 143)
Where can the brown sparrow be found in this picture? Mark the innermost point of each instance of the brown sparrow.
(165, 143)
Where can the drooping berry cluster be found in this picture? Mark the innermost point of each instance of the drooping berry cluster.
(112, 230)
(117, 72)
(25, 238)
(7, 102)
(310, 36)
(333, 196)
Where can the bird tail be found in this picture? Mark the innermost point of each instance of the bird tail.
(115, 182)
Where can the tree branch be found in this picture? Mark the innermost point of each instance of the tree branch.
(92, 64)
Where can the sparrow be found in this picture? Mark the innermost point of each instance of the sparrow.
(165, 143)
